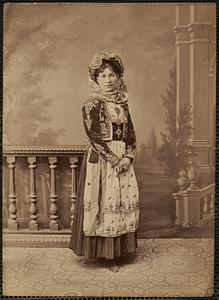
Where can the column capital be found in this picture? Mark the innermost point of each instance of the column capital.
(52, 160)
(212, 34)
(73, 160)
(182, 34)
(31, 159)
(11, 160)
(212, 69)
(199, 32)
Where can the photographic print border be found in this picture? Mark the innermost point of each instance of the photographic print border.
(216, 275)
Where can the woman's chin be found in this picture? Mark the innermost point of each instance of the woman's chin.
(109, 90)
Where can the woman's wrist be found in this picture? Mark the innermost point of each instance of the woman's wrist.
(115, 162)
(130, 158)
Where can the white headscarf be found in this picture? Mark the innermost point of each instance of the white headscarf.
(121, 95)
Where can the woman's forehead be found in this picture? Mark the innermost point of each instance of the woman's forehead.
(108, 69)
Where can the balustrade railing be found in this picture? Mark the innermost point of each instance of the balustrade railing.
(31, 155)
(40, 184)
(194, 206)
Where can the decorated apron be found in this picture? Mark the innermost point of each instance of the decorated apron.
(111, 200)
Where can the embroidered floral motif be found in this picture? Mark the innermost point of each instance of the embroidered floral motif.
(129, 149)
(121, 229)
(101, 113)
(87, 205)
(123, 206)
(103, 128)
(110, 157)
(88, 123)
(98, 146)
(117, 113)
(125, 130)
(88, 107)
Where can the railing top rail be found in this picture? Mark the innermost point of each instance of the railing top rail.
(44, 150)
(207, 189)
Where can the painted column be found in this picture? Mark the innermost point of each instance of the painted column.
(212, 89)
(182, 55)
(200, 38)
(195, 49)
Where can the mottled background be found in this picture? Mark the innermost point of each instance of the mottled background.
(47, 50)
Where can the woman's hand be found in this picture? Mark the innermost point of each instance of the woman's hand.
(124, 164)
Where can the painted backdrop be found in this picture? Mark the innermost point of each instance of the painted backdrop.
(47, 50)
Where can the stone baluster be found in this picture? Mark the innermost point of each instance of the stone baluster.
(54, 223)
(176, 197)
(33, 224)
(205, 207)
(212, 204)
(12, 220)
(186, 209)
(73, 166)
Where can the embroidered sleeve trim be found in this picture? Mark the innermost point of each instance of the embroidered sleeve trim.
(131, 139)
(91, 112)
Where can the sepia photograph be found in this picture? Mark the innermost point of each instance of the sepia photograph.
(109, 132)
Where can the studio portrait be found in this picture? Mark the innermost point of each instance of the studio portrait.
(109, 117)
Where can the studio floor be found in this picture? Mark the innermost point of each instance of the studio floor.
(163, 267)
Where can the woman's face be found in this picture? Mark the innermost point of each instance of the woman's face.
(108, 80)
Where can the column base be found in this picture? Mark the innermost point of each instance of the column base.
(33, 227)
(54, 226)
(186, 225)
(13, 226)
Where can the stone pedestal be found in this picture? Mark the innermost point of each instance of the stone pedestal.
(55, 226)
(33, 227)
(13, 226)
(188, 208)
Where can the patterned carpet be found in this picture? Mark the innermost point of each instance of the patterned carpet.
(163, 267)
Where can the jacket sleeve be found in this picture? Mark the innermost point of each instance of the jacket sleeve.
(131, 140)
(91, 123)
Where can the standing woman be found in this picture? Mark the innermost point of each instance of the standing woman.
(107, 207)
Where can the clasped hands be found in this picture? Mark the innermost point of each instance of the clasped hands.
(123, 165)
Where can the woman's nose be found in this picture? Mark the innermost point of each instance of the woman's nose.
(108, 79)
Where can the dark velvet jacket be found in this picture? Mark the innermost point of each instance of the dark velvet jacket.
(99, 130)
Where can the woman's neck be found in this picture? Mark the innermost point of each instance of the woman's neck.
(109, 93)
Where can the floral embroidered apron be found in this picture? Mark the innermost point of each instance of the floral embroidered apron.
(111, 200)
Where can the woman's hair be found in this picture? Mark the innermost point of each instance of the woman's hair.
(112, 63)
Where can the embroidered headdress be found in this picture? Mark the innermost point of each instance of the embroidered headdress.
(121, 95)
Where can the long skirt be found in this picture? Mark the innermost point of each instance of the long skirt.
(97, 246)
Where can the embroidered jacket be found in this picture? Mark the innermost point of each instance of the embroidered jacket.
(99, 130)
